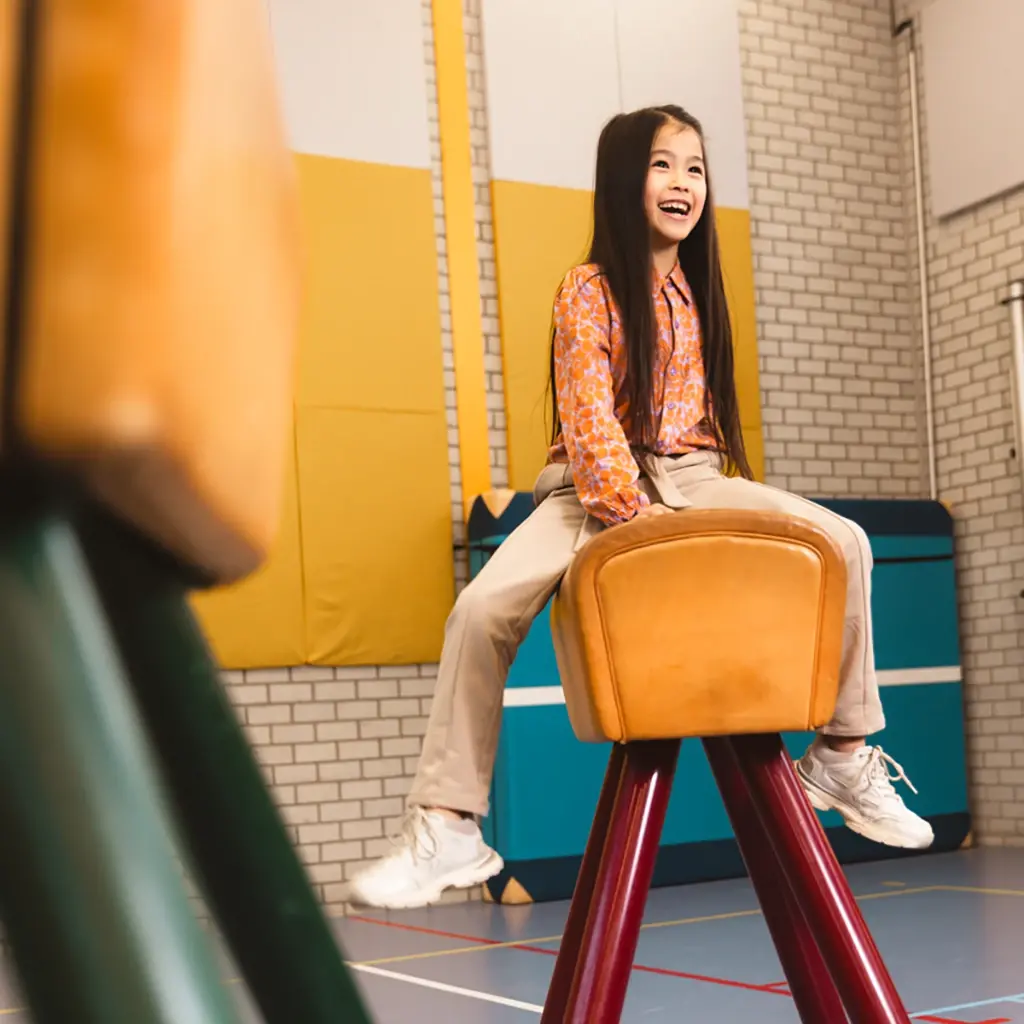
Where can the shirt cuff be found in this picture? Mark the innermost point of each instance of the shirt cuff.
(618, 507)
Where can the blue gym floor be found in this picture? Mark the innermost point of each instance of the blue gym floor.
(947, 925)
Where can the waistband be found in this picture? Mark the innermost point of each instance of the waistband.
(557, 477)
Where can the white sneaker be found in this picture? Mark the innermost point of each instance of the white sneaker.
(859, 785)
(433, 853)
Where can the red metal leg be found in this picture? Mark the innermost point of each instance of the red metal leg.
(814, 992)
(575, 925)
(818, 882)
(623, 880)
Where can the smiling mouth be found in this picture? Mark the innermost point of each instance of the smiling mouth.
(676, 208)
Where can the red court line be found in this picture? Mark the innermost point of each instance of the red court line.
(526, 948)
(950, 1020)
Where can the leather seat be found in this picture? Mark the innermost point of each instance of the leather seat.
(705, 623)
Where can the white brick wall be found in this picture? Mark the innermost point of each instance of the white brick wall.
(485, 241)
(972, 258)
(488, 274)
(338, 748)
(458, 526)
(826, 100)
(838, 369)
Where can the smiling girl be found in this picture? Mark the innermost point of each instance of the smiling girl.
(646, 422)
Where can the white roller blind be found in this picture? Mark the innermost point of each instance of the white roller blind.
(973, 64)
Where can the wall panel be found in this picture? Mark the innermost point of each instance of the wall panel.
(352, 79)
(377, 535)
(687, 52)
(552, 81)
(539, 231)
(372, 431)
(362, 573)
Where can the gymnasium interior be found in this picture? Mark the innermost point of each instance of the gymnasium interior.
(277, 280)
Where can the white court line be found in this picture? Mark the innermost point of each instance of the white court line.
(1018, 998)
(516, 1004)
(546, 696)
(533, 696)
(454, 990)
(917, 676)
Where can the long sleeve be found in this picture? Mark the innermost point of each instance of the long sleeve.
(603, 468)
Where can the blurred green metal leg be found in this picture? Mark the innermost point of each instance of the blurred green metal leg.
(91, 895)
(250, 873)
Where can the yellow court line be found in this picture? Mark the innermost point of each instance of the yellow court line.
(978, 890)
(512, 944)
(479, 948)
(916, 891)
(701, 920)
(447, 952)
(891, 894)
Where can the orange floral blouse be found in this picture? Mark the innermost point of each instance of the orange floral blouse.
(590, 370)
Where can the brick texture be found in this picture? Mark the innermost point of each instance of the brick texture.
(338, 748)
(972, 257)
(485, 241)
(838, 369)
(826, 98)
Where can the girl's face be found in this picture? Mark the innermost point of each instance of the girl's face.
(677, 187)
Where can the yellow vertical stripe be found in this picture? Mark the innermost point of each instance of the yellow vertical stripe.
(460, 237)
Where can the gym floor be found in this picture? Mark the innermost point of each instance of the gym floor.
(947, 926)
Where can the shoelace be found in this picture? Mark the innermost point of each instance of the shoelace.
(416, 833)
(879, 768)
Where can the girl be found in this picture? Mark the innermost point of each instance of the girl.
(645, 423)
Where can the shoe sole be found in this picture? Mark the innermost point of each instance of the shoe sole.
(822, 800)
(464, 878)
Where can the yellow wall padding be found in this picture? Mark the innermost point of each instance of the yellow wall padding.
(377, 535)
(753, 439)
(738, 271)
(259, 623)
(371, 327)
(372, 438)
(362, 573)
(540, 233)
(460, 237)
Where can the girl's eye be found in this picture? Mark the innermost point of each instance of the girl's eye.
(696, 169)
(660, 163)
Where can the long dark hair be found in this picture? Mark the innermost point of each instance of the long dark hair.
(621, 247)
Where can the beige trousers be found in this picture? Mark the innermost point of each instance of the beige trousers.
(494, 613)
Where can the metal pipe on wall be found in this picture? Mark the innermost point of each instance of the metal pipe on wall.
(1015, 301)
(922, 255)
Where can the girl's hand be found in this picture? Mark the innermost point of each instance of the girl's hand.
(653, 510)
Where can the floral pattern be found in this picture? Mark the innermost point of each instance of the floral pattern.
(590, 371)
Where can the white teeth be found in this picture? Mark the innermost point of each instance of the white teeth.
(679, 208)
